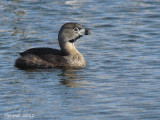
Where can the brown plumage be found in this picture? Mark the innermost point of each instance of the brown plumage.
(67, 57)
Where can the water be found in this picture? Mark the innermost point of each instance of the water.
(121, 80)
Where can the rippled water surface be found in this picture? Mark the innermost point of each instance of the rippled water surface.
(122, 77)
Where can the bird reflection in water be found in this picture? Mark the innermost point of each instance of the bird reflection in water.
(70, 78)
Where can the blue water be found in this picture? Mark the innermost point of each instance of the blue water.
(121, 80)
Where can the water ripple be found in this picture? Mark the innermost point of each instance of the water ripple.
(121, 79)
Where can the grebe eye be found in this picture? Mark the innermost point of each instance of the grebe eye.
(76, 29)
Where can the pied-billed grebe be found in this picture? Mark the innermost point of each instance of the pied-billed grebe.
(67, 57)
